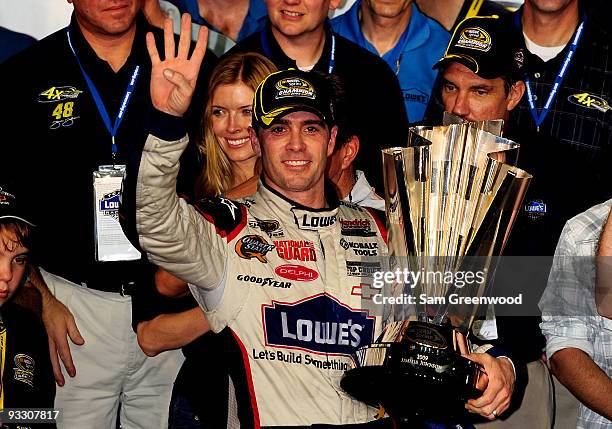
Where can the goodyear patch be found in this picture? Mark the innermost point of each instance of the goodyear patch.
(294, 87)
(589, 101)
(474, 38)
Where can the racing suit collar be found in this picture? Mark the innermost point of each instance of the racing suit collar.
(304, 217)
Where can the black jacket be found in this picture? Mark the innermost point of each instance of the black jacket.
(54, 138)
(28, 377)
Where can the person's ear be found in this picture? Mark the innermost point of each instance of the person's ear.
(332, 140)
(334, 4)
(351, 149)
(254, 141)
(515, 94)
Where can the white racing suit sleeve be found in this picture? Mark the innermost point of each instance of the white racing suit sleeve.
(172, 232)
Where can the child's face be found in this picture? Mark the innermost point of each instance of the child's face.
(13, 264)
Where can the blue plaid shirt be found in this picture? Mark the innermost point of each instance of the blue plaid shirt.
(569, 313)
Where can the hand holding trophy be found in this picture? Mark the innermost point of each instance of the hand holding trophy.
(451, 199)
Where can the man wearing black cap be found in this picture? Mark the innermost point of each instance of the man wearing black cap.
(480, 76)
(482, 79)
(274, 302)
(298, 318)
(27, 377)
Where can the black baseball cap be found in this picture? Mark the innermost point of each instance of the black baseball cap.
(9, 209)
(488, 46)
(289, 91)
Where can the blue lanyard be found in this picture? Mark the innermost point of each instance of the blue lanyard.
(112, 129)
(539, 118)
(266, 48)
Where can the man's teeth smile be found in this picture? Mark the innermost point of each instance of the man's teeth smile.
(296, 163)
(294, 14)
(237, 142)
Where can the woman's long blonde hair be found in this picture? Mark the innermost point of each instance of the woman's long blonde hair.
(247, 68)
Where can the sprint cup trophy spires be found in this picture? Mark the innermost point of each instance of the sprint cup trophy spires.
(451, 199)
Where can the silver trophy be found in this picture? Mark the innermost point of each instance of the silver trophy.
(452, 196)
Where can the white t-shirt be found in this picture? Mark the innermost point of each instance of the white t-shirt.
(545, 52)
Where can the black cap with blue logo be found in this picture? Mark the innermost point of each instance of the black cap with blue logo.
(487, 45)
(290, 91)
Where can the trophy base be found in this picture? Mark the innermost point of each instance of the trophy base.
(415, 379)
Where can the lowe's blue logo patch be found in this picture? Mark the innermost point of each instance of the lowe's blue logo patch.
(318, 324)
(536, 209)
(109, 204)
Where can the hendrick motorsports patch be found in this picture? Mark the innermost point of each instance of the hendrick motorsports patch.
(294, 87)
(474, 38)
(589, 101)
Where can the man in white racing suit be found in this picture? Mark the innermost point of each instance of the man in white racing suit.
(288, 270)
(281, 270)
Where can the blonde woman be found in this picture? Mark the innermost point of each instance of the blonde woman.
(231, 166)
(206, 379)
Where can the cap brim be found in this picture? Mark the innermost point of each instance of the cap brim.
(17, 218)
(295, 108)
(470, 63)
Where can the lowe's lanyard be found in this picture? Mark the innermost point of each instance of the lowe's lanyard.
(539, 118)
(100, 104)
(263, 34)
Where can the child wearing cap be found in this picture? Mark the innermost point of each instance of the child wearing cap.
(26, 375)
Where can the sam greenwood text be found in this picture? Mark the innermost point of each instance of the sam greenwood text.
(453, 298)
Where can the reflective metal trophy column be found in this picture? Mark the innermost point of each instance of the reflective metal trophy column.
(451, 199)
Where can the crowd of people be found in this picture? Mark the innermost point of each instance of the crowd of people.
(185, 185)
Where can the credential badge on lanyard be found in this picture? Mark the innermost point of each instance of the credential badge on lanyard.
(111, 242)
